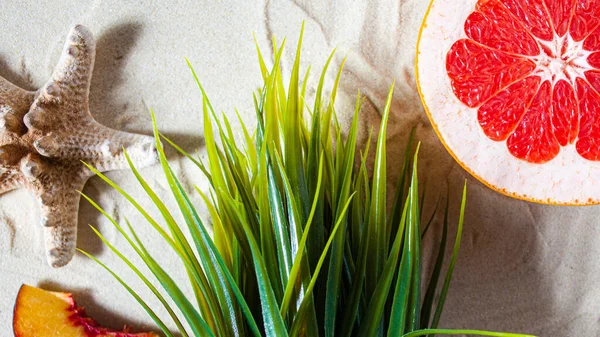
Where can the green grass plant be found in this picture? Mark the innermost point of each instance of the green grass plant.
(303, 242)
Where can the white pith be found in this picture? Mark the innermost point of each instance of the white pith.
(552, 64)
(567, 179)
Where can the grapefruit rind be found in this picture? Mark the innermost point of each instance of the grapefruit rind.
(569, 179)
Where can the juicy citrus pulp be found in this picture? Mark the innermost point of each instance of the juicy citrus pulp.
(528, 73)
(530, 68)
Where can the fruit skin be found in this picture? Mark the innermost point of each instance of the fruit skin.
(41, 313)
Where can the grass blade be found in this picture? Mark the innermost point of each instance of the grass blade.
(378, 245)
(273, 322)
(444, 292)
(401, 311)
(435, 274)
(302, 310)
(463, 332)
(148, 310)
(302, 246)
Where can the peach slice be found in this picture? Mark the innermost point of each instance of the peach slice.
(41, 313)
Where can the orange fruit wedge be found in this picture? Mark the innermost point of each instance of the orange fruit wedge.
(512, 88)
(41, 313)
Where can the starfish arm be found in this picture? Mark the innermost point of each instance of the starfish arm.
(9, 180)
(63, 100)
(99, 146)
(56, 188)
(59, 219)
(14, 104)
(11, 153)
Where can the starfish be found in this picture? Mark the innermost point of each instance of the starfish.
(45, 135)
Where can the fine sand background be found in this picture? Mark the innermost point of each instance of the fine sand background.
(522, 267)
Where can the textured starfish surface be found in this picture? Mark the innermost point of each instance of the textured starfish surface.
(45, 135)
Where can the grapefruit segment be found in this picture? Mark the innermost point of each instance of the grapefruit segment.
(593, 78)
(565, 113)
(494, 26)
(560, 12)
(501, 114)
(592, 42)
(588, 145)
(594, 60)
(586, 18)
(533, 140)
(534, 16)
(478, 72)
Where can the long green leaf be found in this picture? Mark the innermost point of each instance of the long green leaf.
(302, 246)
(377, 248)
(463, 332)
(435, 274)
(414, 219)
(401, 312)
(446, 286)
(273, 322)
(374, 313)
(196, 322)
(345, 173)
(147, 308)
(142, 277)
(295, 330)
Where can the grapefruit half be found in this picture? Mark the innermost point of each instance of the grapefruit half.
(512, 88)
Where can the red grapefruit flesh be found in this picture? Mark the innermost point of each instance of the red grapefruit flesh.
(512, 51)
(523, 75)
(41, 313)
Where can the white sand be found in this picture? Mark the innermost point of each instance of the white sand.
(522, 267)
